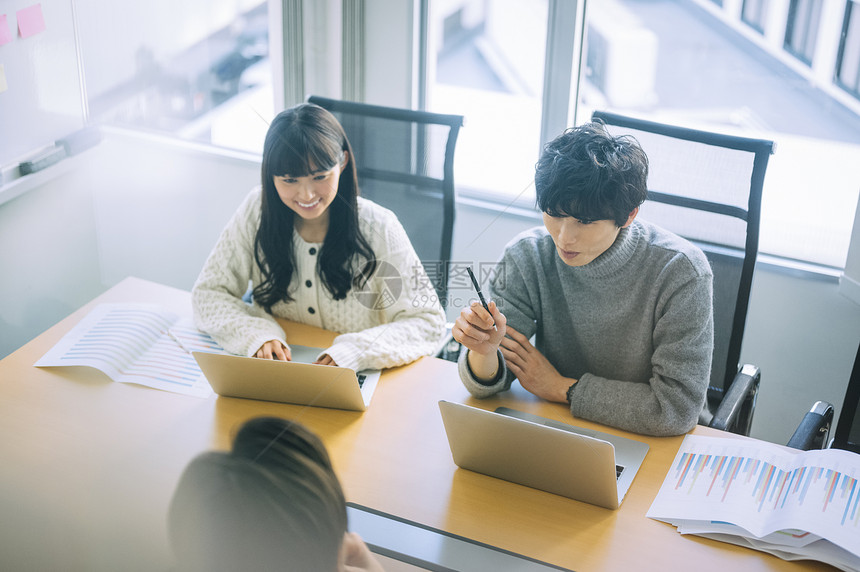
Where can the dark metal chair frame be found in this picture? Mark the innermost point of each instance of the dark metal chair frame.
(734, 402)
(814, 430)
(441, 188)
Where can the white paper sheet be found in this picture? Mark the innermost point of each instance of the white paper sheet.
(766, 496)
(137, 343)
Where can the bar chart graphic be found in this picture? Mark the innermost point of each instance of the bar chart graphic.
(767, 487)
(765, 494)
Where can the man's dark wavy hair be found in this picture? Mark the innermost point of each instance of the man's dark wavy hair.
(301, 140)
(587, 174)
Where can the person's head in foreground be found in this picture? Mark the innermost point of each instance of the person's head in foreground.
(589, 186)
(272, 503)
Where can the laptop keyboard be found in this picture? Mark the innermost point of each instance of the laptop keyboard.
(618, 470)
(361, 378)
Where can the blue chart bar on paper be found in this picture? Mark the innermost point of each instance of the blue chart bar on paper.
(770, 487)
(790, 503)
(137, 343)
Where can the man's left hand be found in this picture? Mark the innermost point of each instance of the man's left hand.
(533, 370)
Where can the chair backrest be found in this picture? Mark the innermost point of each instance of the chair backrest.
(707, 188)
(405, 161)
(847, 434)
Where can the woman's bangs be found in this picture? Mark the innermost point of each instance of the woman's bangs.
(288, 157)
(323, 154)
(300, 156)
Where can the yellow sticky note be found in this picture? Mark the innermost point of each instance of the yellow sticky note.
(3, 85)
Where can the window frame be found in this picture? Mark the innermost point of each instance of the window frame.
(854, 90)
(756, 23)
(810, 31)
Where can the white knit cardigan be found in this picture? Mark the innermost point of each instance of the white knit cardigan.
(395, 319)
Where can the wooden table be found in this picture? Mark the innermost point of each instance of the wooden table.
(88, 467)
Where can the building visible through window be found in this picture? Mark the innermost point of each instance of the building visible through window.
(195, 69)
(750, 69)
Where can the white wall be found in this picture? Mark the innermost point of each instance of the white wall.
(849, 282)
(803, 335)
(129, 206)
(48, 258)
(160, 206)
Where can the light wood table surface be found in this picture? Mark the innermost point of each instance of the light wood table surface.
(88, 467)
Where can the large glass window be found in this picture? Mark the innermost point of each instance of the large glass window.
(705, 75)
(195, 69)
(686, 62)
(486, 62)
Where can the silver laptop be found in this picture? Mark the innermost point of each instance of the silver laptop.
(574, 462)
(298, 381)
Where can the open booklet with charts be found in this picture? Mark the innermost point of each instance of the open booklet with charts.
(137, 343)
(798, 505)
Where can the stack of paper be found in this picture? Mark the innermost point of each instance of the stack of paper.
(137, 343)
(793, 504)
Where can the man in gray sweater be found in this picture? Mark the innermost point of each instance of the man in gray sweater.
(621, 310)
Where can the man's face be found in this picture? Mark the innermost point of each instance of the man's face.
(577, 242)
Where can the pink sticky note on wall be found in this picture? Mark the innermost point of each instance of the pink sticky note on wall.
(30, 20)
(5, 34)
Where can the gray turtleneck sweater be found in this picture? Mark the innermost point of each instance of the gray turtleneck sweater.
(634, 326)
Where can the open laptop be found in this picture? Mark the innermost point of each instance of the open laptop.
(574, 462)
(298, 381)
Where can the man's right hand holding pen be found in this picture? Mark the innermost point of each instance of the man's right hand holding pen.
(481, 330)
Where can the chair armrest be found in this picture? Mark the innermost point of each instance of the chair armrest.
(814, 428)
(735, 410)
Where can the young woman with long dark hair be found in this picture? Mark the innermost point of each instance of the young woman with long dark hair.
(315, 252)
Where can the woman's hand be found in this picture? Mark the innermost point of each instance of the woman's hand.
(325, 359)
(273, 349)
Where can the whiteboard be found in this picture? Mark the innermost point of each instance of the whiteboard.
(42, 90)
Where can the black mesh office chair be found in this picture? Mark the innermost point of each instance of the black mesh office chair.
(814, 430)
(707, 188)
(405, 162)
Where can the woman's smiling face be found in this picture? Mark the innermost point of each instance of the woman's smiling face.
(310, 196)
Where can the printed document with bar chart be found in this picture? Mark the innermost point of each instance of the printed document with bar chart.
(794, 504)
(137, 343)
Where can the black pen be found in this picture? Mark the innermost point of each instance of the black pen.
(478, 289)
